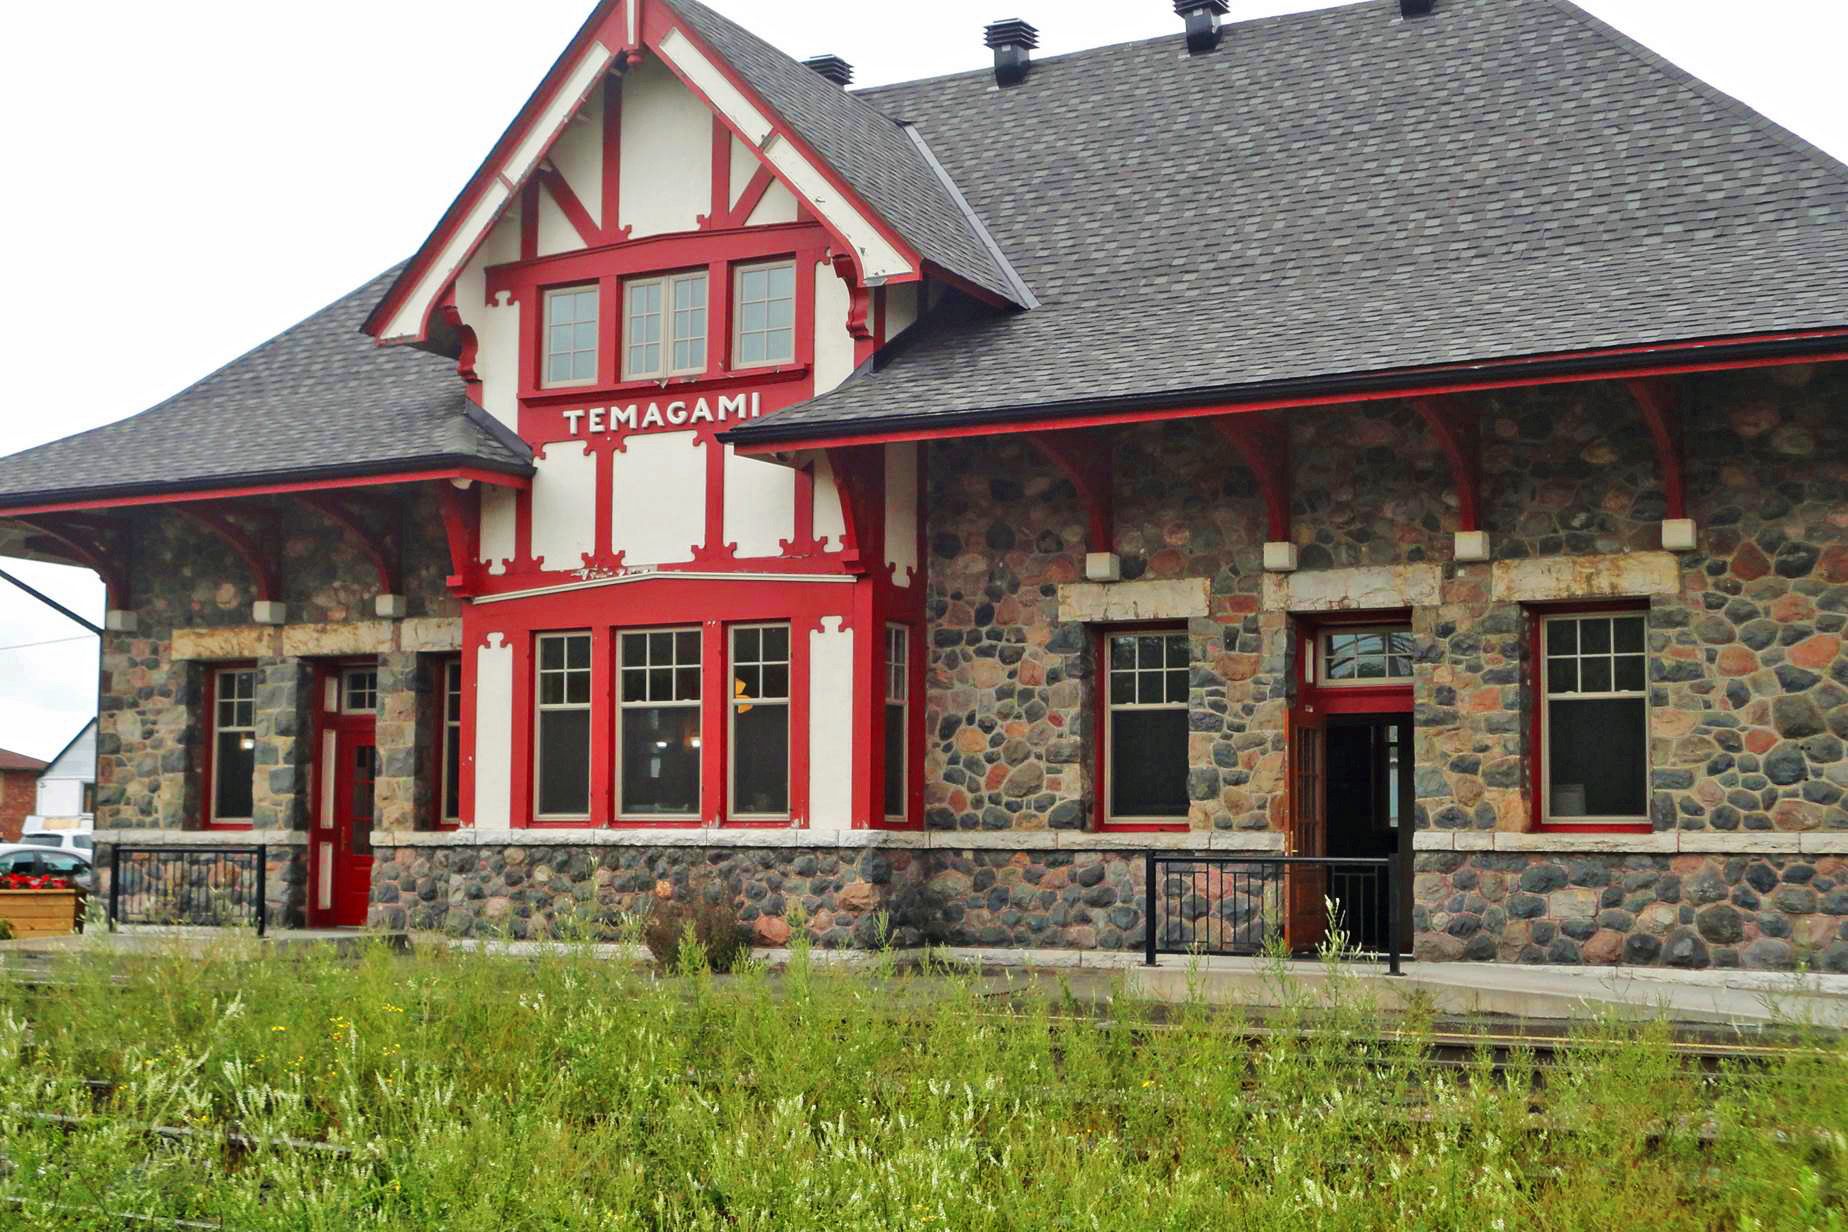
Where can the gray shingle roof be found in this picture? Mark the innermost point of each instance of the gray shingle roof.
(1341, 192)
(321, 398)
(865, 146)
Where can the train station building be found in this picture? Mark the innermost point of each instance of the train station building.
(1402, 428)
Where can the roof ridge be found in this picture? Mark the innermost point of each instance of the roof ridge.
(1743, 110)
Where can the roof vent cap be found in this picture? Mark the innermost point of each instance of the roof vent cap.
(1013, 41)
(1202, 18)
(1416, 8)
(833, 68)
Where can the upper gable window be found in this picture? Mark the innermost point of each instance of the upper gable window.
(571, 336)
(664, 326)
(766, 315)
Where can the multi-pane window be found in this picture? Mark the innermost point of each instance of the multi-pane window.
(359, 690)
(450, 807)
(1596, 722)
(234, 743)
(765, 314)
(571, 336)
(760, 721)
(1366, 656)
(1147, 738)
(658, 723)
(562, 730)
(664, 326)
(897, 695)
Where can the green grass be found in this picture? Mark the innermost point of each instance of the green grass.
(477, 1092)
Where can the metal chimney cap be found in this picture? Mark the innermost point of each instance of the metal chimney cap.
(1011, 33)
(832, 67)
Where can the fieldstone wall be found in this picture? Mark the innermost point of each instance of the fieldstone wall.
(1691, 911)
(199, 889)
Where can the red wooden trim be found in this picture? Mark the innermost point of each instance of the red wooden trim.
(381, 548)
(1459, 434)
(472, 474)
(88, 546)
(860, 485)
(461, 512)
(1056, 422)
(569, 205)
(721, 177)
(652, 254)
(529, 221)
(1662, 415)
(712, 548)
(1088, 461)
(1263, 444)
(468, 346)
(714, 721)
(751, 198)
(257, 558)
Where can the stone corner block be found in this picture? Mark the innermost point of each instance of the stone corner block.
(1679, 534)
(1279, 556)
(1103, 567)
(118, 620)
(269, 612)
(391, 607)
(1472, 546)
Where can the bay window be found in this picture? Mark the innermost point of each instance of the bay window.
(233, 745)
(760, 721)
(664, 326)
(1145, 735)
(897, 713)
(571, 336)
(658, 724)
(765, 315)
(1595, 718)
(561, 730)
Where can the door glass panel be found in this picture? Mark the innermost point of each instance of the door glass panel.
(365, 770)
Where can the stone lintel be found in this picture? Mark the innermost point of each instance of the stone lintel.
(228, 642)
(1661, 842)
(201, 838)
(430, 634)
(358, 637)
(1620, 575)
(1153, 599)
(1256, 842)
(1360, 588)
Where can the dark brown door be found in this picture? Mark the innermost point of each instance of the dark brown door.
(1305, 915)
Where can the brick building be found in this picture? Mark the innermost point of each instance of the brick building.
(915, 503)
(18, 792)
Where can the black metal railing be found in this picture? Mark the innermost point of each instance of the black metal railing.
(1239, 905)
(214, 886)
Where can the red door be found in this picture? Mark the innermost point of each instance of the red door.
(1305, 915)
(342, 854)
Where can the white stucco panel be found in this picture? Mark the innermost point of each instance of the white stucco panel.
(578, 155)
(901, 309)
(658, 500)
(556, 234)
(564, 505)
(778, 206)
(831, 726)
(760, 505)
(666, 153)
(901, 512)
(833, 344)
(830, 521)
(497, 325)
(494, 734)
(744, 166)
(497, 523)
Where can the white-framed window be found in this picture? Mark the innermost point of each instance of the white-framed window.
(760, 721)
(571, 336)
(359, 690)
(1358, 657)
(449, 808)
(561, 730)
(658, 724)
(897, 724)
(664, 326)
(764, 315)
(234, 743)
(1145, 761)
(1595, 718)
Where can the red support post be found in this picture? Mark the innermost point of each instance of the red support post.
(462, 526)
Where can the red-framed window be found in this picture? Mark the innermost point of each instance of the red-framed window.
(1590, 695)
(1142, 727)
(449, 742)
(897, 723)
(230, 768)
(572, 338)
(561, 727)
(660, 736)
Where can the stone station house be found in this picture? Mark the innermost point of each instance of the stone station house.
(1400, 427)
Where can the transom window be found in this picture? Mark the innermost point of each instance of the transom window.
(760, 721)
(1366, 656)
(562, 731)
(664, 326)
(1146, 767)
(359, 690)
(1596, 719)
(658, 722)
(897, 713)
(234, 743)
(766, 315)
(450, 808)
(571, 336)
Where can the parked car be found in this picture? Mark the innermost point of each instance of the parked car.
(37, 861)
(79, 841)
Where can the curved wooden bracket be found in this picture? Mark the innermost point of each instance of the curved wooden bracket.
(1459, 435)
(1662, 415)
(89, 547)
(859, 475)
(462, 525)
(859, 296)
(468, 346)
(1088, 460)
(1263, 444)
(381, 548)
(260, 563)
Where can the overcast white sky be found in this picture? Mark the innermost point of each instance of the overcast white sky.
(192, 177)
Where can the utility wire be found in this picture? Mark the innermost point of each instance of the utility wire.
(56, 641)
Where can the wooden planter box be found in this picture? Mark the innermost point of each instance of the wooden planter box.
(39, 913)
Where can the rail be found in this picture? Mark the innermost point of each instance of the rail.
(215, 886)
